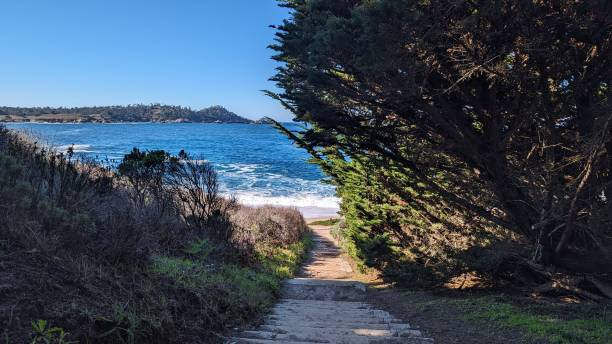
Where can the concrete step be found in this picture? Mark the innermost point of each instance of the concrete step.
(323, 308)
(262, 341)
(373, 315)
(326, 324)
(327, 306)
(397, 327)
(361, 331)
(285, 341)
(337, 270)
(323, 303)
(347, 341)
(349, 330)
(334, 317)
(327, 290)
(329, 338)
(332, 320)
(328, 310)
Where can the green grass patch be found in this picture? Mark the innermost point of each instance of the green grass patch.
(200, 249)
(252, 288)
(247, 288)
(328, 222)
(539, 323)
(283, 263)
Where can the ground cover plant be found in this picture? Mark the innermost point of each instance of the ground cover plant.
(483, 317)
(552, 323)
(144, 252)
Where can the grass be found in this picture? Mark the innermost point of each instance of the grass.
(540, 322)
(328, 222)
(255, 288)
(283, 263)
(543, 321)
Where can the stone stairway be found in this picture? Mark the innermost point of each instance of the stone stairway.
(325, 305)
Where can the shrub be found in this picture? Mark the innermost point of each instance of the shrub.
(268, 226)
(118, 257)
(195, 184)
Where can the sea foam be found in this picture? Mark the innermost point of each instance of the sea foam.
(76, 148)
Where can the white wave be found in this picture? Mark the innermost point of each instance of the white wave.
(297, 200)
(76, 131)
(239, 168)
(76, 148)
(197, 161)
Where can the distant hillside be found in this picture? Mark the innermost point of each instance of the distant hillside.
(129, 113)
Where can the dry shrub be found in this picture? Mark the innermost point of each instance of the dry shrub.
(55, 211)
(124, 239)
(194, 184)
(78, 242)
(267, 226)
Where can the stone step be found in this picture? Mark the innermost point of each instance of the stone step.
(403, 330)
(346, 275)
(361, 331)
(332, 320)
(336, 270)
(328, 255)
(327, 306)
(371, 341)
(323, 308)
(318, 282)
(332, 313)
(262, 341)
(328, 290)
(276, 341)
(323, 303)
(349, 330)
(327, 324)
(328, 249)
(324, 324)
(330, 338)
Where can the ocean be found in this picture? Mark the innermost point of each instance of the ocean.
(256, 164)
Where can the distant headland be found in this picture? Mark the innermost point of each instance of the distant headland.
(130, 113)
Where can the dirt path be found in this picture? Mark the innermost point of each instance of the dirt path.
(327, 305)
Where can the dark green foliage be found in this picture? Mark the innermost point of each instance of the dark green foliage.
(137, 162)
(454, 125)
(145, 172)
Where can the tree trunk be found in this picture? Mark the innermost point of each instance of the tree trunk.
(514, 200)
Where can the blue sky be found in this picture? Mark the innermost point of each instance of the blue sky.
(104, 52)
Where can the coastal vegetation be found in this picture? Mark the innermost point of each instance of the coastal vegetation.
(147, 251)
(328, 222)
(129, 113)
(470, 141)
